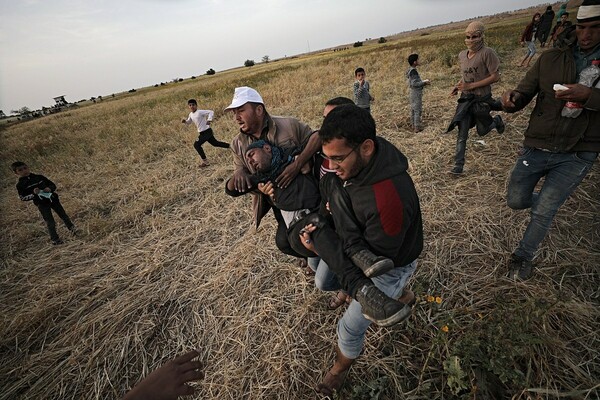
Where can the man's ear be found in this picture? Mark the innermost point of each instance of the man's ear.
(260, 110)
(367, 148)
(267, 148)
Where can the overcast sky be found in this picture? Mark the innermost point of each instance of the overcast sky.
(81, 48)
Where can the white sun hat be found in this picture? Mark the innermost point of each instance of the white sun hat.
(243, 95)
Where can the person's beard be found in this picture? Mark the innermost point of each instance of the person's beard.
(358, 166)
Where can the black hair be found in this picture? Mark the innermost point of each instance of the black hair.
(348, 122)
(339, 101)
(565, 13)
(412, 58)
(255, 105)
(16, 165)
(192, 101)
(359, 69)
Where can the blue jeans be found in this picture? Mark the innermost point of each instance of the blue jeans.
(530, 49)
(352, 327)
(325, 278)
(562, 171)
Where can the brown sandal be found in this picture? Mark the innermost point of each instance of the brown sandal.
(337, 301)
(303, 264)
(331, 383)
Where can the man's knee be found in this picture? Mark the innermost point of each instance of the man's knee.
(517, 198)
(283, 244)
(517, 202)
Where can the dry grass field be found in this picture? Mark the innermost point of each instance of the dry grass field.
(166, 262)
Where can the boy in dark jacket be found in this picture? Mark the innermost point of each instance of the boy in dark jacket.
(43, 193)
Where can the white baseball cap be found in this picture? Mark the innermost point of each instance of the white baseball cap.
(243, 95)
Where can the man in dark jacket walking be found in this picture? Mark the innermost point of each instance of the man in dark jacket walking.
(546, 25)
(383, 211)
(560, 149)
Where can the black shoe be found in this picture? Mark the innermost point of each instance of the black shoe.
(519, 268)
(379, 308)
(371, 264)
(57, 241)
(500, 126)
(457, 170)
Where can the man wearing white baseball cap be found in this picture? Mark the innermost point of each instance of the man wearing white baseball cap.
(255, 123)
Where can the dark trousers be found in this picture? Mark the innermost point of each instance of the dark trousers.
(281, 236)
(207, 136)
(479, 116)
(543, 36)
(46, 211)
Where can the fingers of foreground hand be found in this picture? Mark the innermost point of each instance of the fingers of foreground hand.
(184, 358)
(193, 374)
(185, 390)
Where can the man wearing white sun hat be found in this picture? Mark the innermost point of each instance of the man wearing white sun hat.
(255, 123)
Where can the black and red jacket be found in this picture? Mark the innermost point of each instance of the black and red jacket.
(386, 206)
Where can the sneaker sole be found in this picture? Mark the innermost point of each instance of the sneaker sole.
(514, 275)
(379, 268)
(400, 316)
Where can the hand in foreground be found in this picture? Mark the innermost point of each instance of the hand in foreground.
(169, 381)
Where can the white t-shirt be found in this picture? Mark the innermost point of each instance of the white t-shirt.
(201, 119)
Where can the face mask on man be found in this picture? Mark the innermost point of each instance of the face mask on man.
(474, 36)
